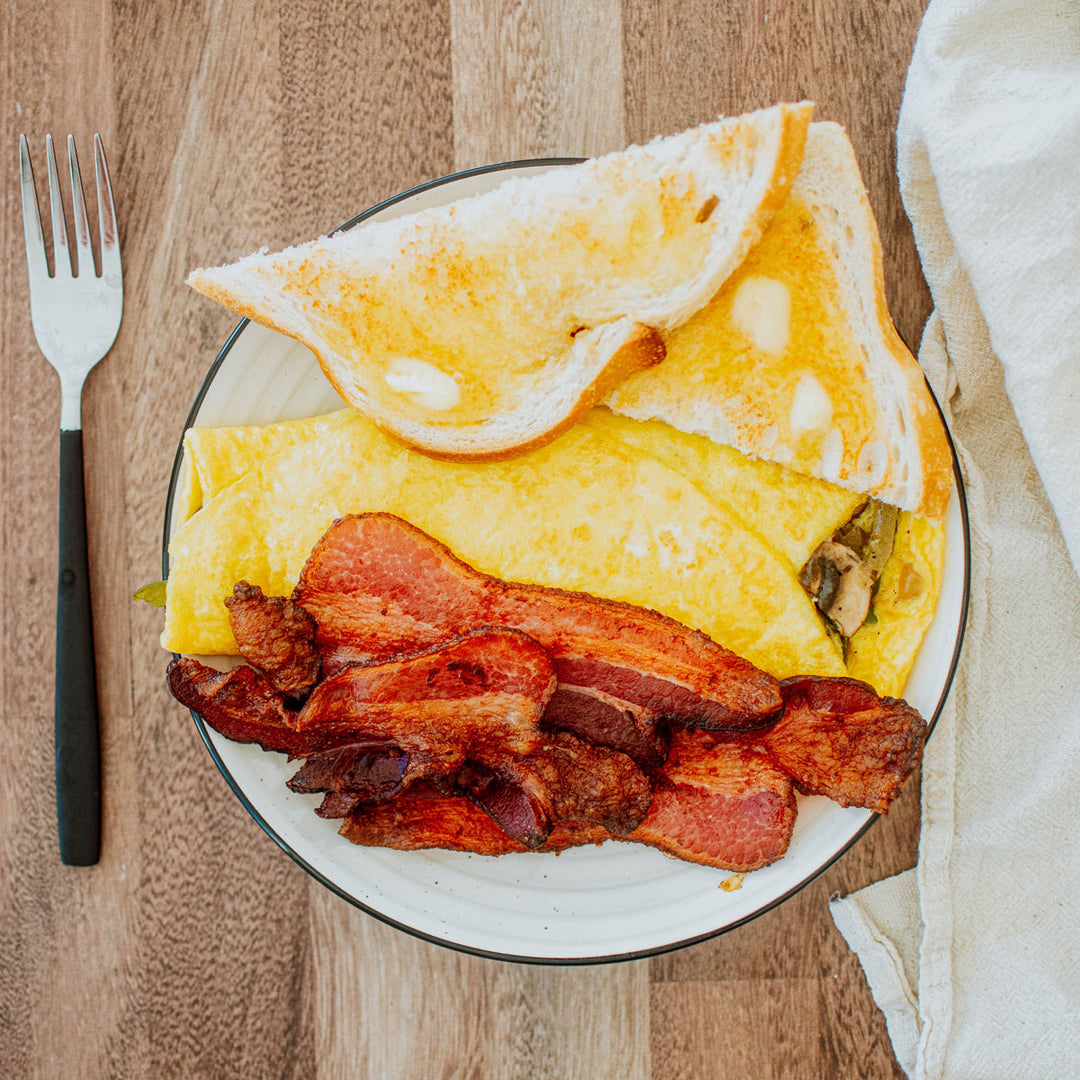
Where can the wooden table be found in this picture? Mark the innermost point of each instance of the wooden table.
(196, 948)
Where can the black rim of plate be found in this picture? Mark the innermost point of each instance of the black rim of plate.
(404, 927)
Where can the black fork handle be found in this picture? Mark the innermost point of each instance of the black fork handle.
(78, 752)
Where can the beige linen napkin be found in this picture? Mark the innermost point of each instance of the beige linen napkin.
(974, 956)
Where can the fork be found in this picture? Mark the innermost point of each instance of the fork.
(76, 316)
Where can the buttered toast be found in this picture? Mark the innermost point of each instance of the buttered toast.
(482, 328)
(795, 360)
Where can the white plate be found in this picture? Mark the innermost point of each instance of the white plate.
(616, 902)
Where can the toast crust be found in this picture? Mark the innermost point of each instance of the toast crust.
(929, 449)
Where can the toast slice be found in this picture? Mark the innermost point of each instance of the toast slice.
(796, 360)
(484, 327)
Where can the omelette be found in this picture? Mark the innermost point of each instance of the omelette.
(623, 509)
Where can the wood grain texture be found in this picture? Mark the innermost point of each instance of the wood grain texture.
(536, 79)
(701, 1029)
(196, 948)
(389, 1005)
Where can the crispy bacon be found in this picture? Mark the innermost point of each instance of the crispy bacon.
(377, 585)
(514, 803)
(383, 726)
(720, 799)
(243, 706)
(544, 712)
(485, 689)
(338, 804)
(561, 779)
(730, 808)
(723, 800)
(425, 817)
(604, 720)
(719, 803)
(565, 779)
(838, 738)
(726, 799)
(591, 783)
(366, 771)
(276, 636)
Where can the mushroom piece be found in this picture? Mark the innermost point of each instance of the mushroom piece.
(840, 583)
(842, 572)
(871, 533)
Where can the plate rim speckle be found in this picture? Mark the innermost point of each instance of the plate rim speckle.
(465, 947)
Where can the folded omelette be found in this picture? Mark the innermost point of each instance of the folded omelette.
(628, 510)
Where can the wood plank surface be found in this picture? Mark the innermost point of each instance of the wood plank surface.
(196, 948)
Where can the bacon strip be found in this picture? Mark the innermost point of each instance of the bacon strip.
(561, 779)
(466, 711)
(377, 585)
(604, 720)
(720, 804)
(366, 771)
(721, 799)
(276, 636)
(243, 706)
(425, 818)
(487, 688)
(478, 710)
(565, 779)
(838, 738)
(370, 731)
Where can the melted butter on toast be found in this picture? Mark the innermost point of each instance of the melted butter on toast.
(453, 311)
(795, 359)
(775, 358)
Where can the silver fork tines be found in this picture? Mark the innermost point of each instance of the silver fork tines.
(75, 312)
(61, 256)
(84, 252)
